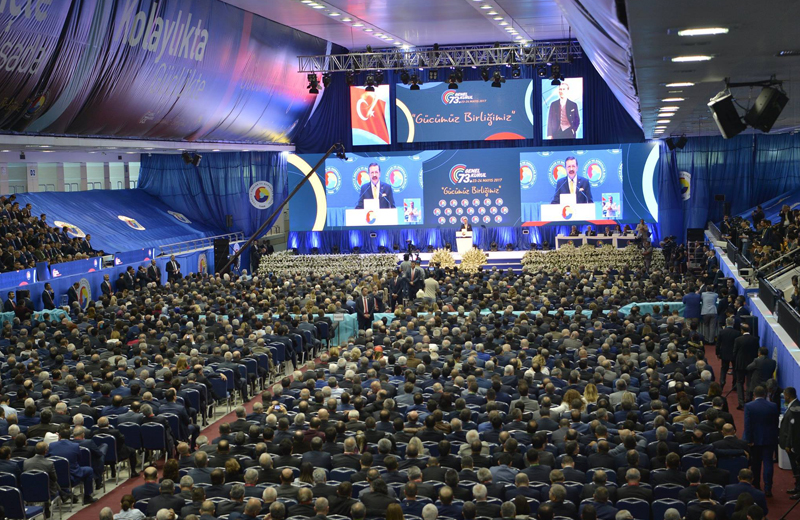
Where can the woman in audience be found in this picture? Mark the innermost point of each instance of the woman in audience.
(590, 394)
(233, 471)
(394, 512)
(306, 473)
(171, 470)
(128, 512)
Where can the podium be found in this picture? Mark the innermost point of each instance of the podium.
(372, 215)
(568, 209)
(463, 241)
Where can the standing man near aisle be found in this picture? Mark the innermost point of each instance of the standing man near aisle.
(365, 309)
(761, 433)
(745, 350)
(173, 270)
(725, 342)
(789, 436)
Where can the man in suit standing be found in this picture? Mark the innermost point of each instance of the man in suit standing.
(48, 297)
(573, 184)
(727, 337)
(745, 350)
(10, 305)
(173, 270)
(761, 433)
(105, 287)
(416, 279)
(761, 369)
(789, 435)
(72, 294)
(154, 273)
(563, 118)
(375, 189)
(365, 309)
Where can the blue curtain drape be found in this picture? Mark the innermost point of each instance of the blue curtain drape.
(605, 120)
(747, 169)
(218, 187)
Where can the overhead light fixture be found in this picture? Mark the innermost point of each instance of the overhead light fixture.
(666, 114)
(215, 150)
(485, 73)
(726, 116)
(433, 75)
(358, 24)
(368, 29)
(497, 79)
(318, 6)
(452, 82)
(541, 72)
(503, 23)
(788, 53)
(379, 77)
(670, 108)
(414, 82)
(663, 121)
(187, 157)
(307, 1)
(680, 84)
(516, 72)
(336, 14)
(405, 77)
(703, 31)
(347, 19)
(486, 6)
(686, 59)
(350, 77)
(673, 100)
(327, 78)
(555, 74)
(196, 159)
(492, 13)
(370, 82)
(313, 84)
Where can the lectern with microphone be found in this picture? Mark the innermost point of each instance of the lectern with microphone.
(463, 241)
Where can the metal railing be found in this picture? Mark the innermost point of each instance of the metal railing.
(715, 232)
(197, 244)
(17, 188)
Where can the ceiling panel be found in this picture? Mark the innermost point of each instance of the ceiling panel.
(746, 53)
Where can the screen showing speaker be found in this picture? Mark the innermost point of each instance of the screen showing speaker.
(489, 187)
(370, 115)
(475, 111)
(562, 109)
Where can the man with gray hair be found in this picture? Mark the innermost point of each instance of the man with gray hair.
(186, 485)
(484, 508)
(235, 504)
(277, 511)
(430, 512)
(166, 499)
(321, 509)
(672, 514)
(321, 488)
(106, 514)
(508, 510)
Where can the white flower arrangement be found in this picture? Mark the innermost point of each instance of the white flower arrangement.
(473, 260)
(443, 257)
(589, 257)
(286, 263)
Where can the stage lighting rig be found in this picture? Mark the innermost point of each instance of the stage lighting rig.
(370, 83)
(327, 78)
(452, 80)
(350, 77)
(485, 73)
(497, 79)
(415, 82)
(313, 84)
(405, 77)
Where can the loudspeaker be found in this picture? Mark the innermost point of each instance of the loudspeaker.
(695, 235)
(229, 221)
(726, 116)
(221, 248)
(719, 197)
(765, 111)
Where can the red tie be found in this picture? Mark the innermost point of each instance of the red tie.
(412, 274)
(366, 307)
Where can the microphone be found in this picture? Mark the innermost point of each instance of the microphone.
(383, 196)
(584, 195)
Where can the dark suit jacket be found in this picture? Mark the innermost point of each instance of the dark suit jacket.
(48, 300)
(789, 435)
(581, 197)
(385, 194)
(376, 503)
(761, 422)
(745, 350)
(173, 502)
(727, 336)
(761, 370)
(554, 117)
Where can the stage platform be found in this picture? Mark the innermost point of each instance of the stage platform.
(498, 259)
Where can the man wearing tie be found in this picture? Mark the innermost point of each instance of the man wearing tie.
(72, 294)
(105, 287)
(48, 298)
(465, 226)
(173, 270)
(376, 189)
(416, 279)
(761, 433)
(10, 305)
(573, 184)
(130, 278)
(154, 273)
(365, 309)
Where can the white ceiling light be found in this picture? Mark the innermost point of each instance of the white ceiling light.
(498, 18)
(680, 84)
(359, 24)
(503, 23)
(486, 6)
(318, 6)
(668, 109)
(686, 59)
(703, 31)
(663, 121)
(347, 20)
(336, 14)
(492, 13)
(672, 100)
(368, 29)
(307, 1)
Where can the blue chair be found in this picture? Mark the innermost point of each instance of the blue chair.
(730, 507)
(733, 465)
(220, 389)
(88, 421)
(63, 477)
(154, 438)
(342, 474)
(35, 486)
(611, 475)
(693, 460)
(263, 362)
(324, 333)
(639, 508)
(661, 505)
(174, 425)
(111, 458)
(666, 491)
(141, 505)
(8, 479)
(716, 491)
(252, 367)
(11, 498)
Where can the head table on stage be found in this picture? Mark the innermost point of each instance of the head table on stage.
(618, 241)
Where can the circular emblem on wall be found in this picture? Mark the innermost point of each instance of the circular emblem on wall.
(437, 212)
(482, 210)
(180, 217)
(527, 174)
(261, 195)
(442, 220)
(84, 293)
(487, 219)
(397, 178)
(333, 180)
(453, 220)
(476, 219)
(566, 212)
(498, 219)
(556, 171)
(72, 230)
(131, 222)
(371, 217)
(595, 171)
(360, 177)
(202, 264)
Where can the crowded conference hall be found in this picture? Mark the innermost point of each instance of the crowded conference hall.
(399, 260)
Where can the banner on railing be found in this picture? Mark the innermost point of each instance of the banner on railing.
(17, 278)
(137, 255)
(88, 265)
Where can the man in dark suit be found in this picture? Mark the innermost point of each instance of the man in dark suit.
(789, 435)
(173, 270)
(573, 184)
(761, 369)
(154, 273)
(105, 287)
(365, 309)
(48, 297)
(9, 305)
(72, 294)
(563, 117)
(745, 351)
(317, 457)
(165, 500)
(465, 226)
(761, 432)
(727, 337)
(375, 189)
(745, 485)
(632, 489)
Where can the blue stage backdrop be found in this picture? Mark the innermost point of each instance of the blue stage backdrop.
(475, 111)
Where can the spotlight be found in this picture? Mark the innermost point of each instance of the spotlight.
(313, 83)
(350, 77)
(369, 48)
(379, 77)
(516, 72)
(681, 142)
(327, 79)
(414, 82)
(497, 79)
(370, 83)
(187, 157)
(555, 73)
(404, 77)
(459, 75)
(485, 73)
(196, 159)
(452, 80)
(433, 75)
(541, 72)
(22, 155)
